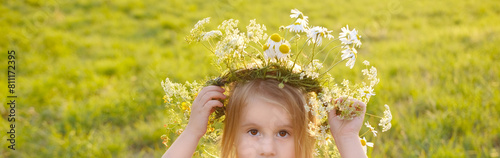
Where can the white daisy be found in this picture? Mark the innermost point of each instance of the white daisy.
(366, 91)
(350, 37)
(297, 14)
(364, 144)
(283, 51)
(316, 34)
(276, 47)
(268, 53)
(350, 53)
(372, 129)
(300, 25)
(274, 39)
(355, 38)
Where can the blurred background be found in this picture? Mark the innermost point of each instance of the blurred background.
(89, 72)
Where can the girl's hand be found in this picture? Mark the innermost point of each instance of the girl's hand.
(346, 132)
(202, 107)
(346, 128)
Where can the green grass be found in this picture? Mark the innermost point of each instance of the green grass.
(89, 72)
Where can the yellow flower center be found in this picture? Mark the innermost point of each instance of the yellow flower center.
(284, 49)
(265, 47)
(296, 23)
(363, 142)
(275, 37)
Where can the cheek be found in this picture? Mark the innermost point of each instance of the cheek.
(287, 149)
(247, 147)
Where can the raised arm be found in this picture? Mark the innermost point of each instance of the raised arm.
(346, 133)
(185, 145)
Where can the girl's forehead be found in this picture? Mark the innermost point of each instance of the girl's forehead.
(259, 111)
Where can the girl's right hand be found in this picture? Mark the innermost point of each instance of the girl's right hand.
(202, 107)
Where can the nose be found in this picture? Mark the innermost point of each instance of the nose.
(267, 146)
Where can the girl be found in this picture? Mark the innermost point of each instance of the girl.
(264, 119)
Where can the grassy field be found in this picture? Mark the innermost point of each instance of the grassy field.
(89, 72)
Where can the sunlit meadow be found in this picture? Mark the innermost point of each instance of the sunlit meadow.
(89, 72)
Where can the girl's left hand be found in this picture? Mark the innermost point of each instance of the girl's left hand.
(346, 128)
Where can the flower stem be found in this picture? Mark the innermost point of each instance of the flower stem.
(297, 56)
(364, 133)
(373, 115)
(314, 47)
(330, 68)
(207, 48)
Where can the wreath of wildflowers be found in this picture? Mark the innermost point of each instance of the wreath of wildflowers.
(289, 57)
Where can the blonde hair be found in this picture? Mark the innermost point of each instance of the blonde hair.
(290, 98)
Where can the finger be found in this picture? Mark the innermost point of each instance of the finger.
(210, 105)
(361, 105)
(211, 96)
(333, 112)
(208, 89)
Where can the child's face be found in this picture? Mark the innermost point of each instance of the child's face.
(265, 131)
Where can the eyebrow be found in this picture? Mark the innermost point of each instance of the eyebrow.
(278, 125)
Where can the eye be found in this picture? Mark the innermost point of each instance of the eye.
(253, 132)
(283, 134)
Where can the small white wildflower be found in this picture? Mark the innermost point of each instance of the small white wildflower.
(307, 108)
(200, 24)
(372, 76)
(296, 68)
(229, 26)
(233, 45)
(324, 138)
(366, 62)
(194, 87)
(367, 124)
(316, 35)
(312, 70)
(174, 90)
(316, 152)
(302, 75)
(255, 31)
(386, 121)
(345, 83)
(326, 96)
(167, 87)
(312, 129)
(195, 35)
(208, 35)
(257, 63)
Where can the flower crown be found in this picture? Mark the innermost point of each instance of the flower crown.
(240, 56)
